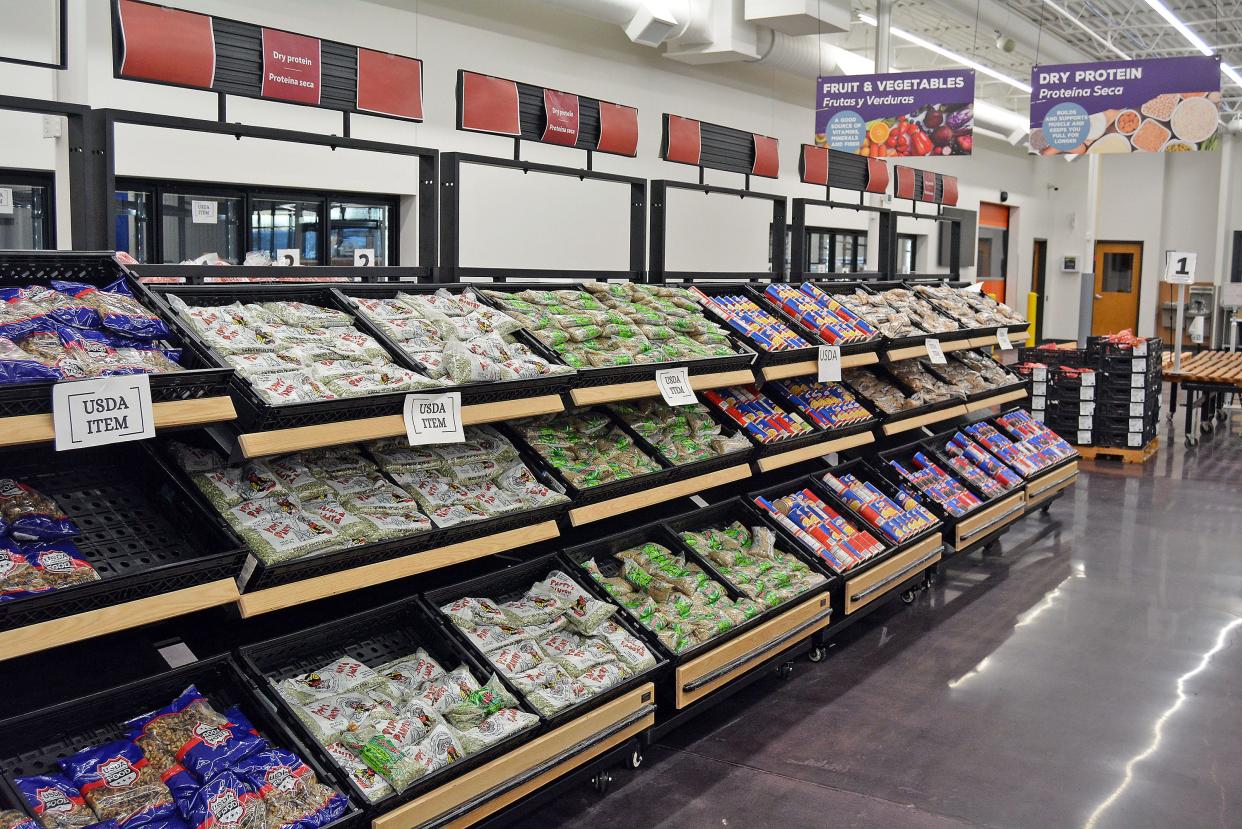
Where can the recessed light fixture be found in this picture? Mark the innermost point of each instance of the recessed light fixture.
(953, 56)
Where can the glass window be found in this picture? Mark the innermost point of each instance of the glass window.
(907, 246)
(280, 224)
(354, 226)
(24, 217)
(992, 242)
(1118, 272)
(133, 223)
(195, 225)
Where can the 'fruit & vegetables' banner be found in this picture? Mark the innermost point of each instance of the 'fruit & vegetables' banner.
(898, 114)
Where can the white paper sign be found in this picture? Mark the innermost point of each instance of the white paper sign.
(1002, 339)
(1084, 438)
(1138, 395)
(1134, 440)
(433, 418)
(934, 351)
(1086, 393)
(1086, 407)
(204, 212)
(674, 385)
(1136, 409)
(6, 201)
(101, 411)
(829, 363)
(288, 256)
(977, 287)
(1084, 421)
(1179, 267)
(1039, 373)
(1138, 364)
(1088, 378)
(364, 257)
(1136, 424)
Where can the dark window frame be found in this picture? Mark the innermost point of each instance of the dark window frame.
(248, 193)
(914, 251)
(25, 177)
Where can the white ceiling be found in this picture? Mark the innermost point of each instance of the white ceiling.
(1044, 35)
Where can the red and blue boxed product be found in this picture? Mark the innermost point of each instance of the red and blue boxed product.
(900, 522)
(71, 330)
(821, 312)
(979, 467)
(1021, 424)
(1025, 458)
(938, 485)
(185, 766)
(822, 530)
(753, 322)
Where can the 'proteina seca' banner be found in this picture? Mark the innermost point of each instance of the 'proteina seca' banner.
(897, 114)
(1126, 106)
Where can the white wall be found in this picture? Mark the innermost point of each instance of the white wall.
(536, 221)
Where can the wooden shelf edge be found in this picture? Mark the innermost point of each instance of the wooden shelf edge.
(37, 428)
(996, 400)
(460, 790)
(863, 358)
(888, 569)
(91, 623)
(923, 420)
(807, 367)
(666, 492)
(745, 643)
(616, 392)
(345, 581)
(1005, 512)
(299, 438)
(815, 450)
(984, 342)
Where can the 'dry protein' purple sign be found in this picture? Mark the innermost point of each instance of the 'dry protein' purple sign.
(1146, 106)
(897, 114)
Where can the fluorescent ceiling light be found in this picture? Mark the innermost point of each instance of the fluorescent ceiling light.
(1001, 116)
(1061, 10)
(953, 56)
(1232, 73)
(1170, 18)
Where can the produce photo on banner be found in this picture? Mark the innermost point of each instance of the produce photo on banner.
(898, 114)
(1160, 105)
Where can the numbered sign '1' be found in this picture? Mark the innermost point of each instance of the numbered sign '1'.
(1179, 267)
(934, 352)
(104, 410)
(829, 364)
(433, 418)
(674, 385)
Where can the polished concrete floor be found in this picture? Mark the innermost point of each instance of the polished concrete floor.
(1090, 675)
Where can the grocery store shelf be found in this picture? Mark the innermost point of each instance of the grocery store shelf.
(879, 581)
(465, 800)
(1045, 486)
(656, 495)
(996, 400)
(815, 450)
(937, 416)
(278, 441)
(89, 624)
(910, 352)
(593, 395)
(989, 520)
(38, 428)
(864, 358)
(707, 673)
(332, 584)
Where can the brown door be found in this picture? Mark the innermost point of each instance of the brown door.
(1118, 268)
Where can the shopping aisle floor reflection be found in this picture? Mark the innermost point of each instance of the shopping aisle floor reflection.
(1088, 675)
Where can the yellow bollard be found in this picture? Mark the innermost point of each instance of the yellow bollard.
(1032, 310)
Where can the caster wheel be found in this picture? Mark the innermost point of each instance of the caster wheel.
(816, 655)
(636, 759)
(907, 597)
(1221, 417)
(1044, 509)
(1205, 427)
(932, 577)
(785, 671)
(602, 781)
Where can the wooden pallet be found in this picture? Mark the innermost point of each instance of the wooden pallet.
(1223, 367)
(1121, 453)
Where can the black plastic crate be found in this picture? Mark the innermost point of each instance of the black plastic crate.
(32, 743)
(936, 445)
(1151, 364)
(374, 637)
(1122, 383)
(1146, 408)
(1103, 347)
(143, 529)
(202, 377)
(513, 583)
(637, 373)
(603, 550)
(259, 575)
(1123, 439)
(1051, 357)
(919, 336)
(1115, 424)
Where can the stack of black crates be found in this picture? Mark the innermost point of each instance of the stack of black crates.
(1107, 394)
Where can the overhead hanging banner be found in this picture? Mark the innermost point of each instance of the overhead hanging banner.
(898, 114)
(1126, 106)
